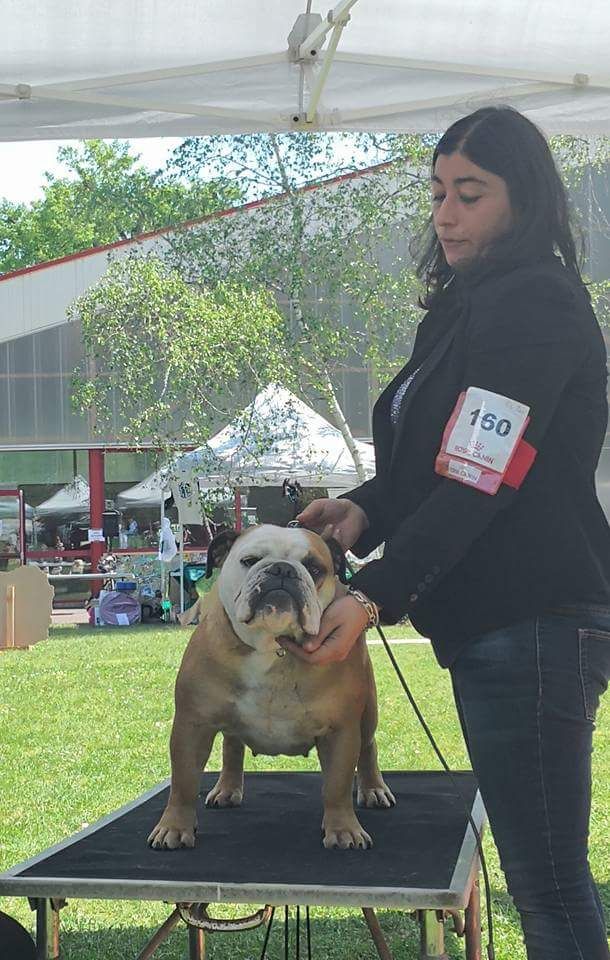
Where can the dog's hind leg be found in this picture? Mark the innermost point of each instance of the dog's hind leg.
(229, 789)
(372, 788)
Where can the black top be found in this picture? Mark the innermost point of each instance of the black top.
(458, 561)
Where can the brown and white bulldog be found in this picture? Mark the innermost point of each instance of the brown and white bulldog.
(274, 582)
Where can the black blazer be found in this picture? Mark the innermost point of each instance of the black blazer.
(458, 561)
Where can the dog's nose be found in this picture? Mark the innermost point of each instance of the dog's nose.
(281, 569)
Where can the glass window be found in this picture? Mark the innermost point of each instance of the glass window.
(22, 409)
(21, 355)
(75, 425)
(5, 429)
(71, 347)
(49, 409)
(357, 404)
(46, 351)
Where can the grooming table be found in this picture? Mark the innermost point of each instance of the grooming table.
(269, 850)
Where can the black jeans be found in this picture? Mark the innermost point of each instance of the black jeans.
(527, 697)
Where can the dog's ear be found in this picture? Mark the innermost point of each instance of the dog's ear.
(218, 550)
(338, 555)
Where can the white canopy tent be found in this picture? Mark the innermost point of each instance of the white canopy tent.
(146, 493)
(276, 437)
(157, 485)
(71, 499)
(127, 68)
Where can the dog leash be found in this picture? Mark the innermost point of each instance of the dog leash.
(286, 933)
(289, 490)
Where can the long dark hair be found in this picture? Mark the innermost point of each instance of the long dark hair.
(504, 142)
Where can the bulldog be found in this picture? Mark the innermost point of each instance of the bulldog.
(234, 677)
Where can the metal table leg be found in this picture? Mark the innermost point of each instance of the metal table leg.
(47, 928)
(432, 935)
(472, 924)
(196, 943)
(160, 936)
(377, 934)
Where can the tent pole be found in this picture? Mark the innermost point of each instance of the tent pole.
(164, 573)
(181, 567)
(340, 19)
(167, 73)
(339, 15)
(472, 96)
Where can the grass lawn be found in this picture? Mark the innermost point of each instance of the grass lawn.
(85, 720)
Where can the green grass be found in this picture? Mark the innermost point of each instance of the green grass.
(85, 720)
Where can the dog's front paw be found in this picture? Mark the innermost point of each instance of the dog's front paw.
(224, 795)
(345, 833)
(175, 829)
(376, 794)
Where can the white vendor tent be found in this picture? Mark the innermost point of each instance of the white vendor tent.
(9, 509)
(276, 437)
(137, 68)
(147, 493)
(71, 499)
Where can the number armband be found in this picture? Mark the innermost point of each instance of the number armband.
(482, 442)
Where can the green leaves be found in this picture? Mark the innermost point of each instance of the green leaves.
(105, 196)
(168, 361)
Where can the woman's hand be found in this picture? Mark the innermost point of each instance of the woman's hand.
(341, 519)
(342, 623)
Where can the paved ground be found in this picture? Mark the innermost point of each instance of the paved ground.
(69, 616)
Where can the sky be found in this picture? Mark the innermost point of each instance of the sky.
(23, 165)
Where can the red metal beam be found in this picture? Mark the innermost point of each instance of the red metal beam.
(96, 510)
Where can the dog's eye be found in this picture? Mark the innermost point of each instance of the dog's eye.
(313, 570)
(249, 561)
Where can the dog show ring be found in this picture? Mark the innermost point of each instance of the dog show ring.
(268, 851)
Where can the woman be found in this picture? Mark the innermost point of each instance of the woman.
(495, 544)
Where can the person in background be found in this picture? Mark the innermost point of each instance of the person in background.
(496, 546)
(131, 532)
(75, 538)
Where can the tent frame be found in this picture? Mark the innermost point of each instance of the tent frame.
(304, 51)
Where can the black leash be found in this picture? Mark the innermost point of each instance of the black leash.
(286, 933)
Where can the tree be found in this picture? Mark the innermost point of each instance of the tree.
(166, 362)
(106, 196)
(317, 250)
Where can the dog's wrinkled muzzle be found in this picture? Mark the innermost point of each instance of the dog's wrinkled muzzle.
(279, 597)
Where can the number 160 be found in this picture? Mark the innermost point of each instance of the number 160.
(489, 421)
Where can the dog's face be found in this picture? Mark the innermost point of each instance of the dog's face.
(275, 581)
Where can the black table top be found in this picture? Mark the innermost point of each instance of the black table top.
(272, 843)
